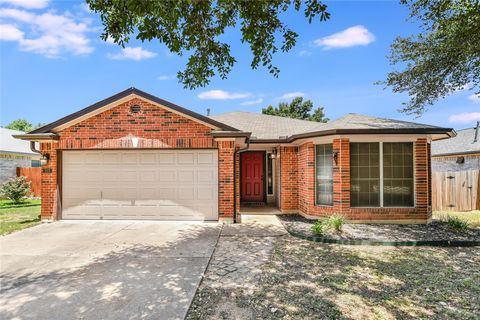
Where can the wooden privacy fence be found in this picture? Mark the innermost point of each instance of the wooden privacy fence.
(34, 175)
(456, 191)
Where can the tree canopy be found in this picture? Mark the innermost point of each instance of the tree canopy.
(195, 28)
(297, 109)
(441, 60)
(22, 125)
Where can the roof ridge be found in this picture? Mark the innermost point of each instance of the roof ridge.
(266, 115)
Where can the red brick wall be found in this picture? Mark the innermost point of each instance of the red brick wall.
(341, 186)
(154, 127)
(226, 151)
(289, 179)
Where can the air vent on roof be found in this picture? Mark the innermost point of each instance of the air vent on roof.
(135, 108)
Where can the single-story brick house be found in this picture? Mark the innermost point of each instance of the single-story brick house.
(459, 153)
(14, 153)
(136, 156)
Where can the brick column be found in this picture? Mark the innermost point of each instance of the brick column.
(289, 179)
(225, 178)
(341, 175)
(49, 187)
(421, 179)
(306, 176)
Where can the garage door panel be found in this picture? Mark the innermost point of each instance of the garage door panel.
(186, 193)
(186, 157)
(167, 175)
(134, 184)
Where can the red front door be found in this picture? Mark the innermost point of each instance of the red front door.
(252, 176)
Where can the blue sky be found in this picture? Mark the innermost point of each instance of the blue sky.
(53, 63)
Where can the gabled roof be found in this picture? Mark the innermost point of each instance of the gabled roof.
(463, 143)
(266, 127)
(9, 144)
(131, 91)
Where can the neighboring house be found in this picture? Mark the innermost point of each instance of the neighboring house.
(458, 153)
(135, 156)
(14, 153)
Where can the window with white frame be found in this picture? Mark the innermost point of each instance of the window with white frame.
(324, 174)
(381, 174)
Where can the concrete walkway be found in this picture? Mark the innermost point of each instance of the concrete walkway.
(104, 270)
(237, 261)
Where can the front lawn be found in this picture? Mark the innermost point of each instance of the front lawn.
(14, 217)
(472, 217)
(307, 280)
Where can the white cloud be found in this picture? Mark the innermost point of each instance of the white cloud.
(27, 4)
(291, 95)
(350, 37)
(252, 102)
(475, 98)
(48, 34)
(133, 53)
(305, 53)
(222, 95)
(464, 117)
(9, 32)
(166, 77)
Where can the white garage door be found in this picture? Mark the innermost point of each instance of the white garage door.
(150, 185)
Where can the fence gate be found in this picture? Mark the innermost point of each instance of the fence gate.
(34, 175)
(455, 191)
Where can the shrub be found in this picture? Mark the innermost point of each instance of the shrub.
(335, 221)
(456, 223)
(318, 227)
(16, 189)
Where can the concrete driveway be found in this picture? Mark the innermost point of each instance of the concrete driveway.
(104, 270)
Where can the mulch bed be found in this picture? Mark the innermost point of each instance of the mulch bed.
(434, 231)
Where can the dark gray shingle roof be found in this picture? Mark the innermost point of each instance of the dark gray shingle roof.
(462, 143)
(273, 127)
(264, 126)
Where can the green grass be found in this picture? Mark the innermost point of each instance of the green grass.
(15, 217)
(472, 217)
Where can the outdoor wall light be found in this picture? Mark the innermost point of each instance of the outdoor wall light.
(273, 155)
(44, 159)
(335, 157)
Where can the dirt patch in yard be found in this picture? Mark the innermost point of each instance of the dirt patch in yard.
(309, 280)
(434, 231)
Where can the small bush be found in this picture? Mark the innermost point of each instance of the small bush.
(335, 222)
(456, 223)
(318, 227)
(16, 189)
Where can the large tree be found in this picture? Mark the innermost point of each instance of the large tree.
(297, 109)
(195, 27)
(22, 125)
(443, 59)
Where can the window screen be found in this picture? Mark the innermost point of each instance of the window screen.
(324, 174)
(397, 174)
(364, 175)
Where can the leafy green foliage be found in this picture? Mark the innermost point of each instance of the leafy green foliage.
(16, 189)
(335, 222)
(443, 59)
(318, 228)
(22, 125)
(297, 109)
(196, 27)
(455, 223)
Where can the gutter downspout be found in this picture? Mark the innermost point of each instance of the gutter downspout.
(235, 179)
(32, 147)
